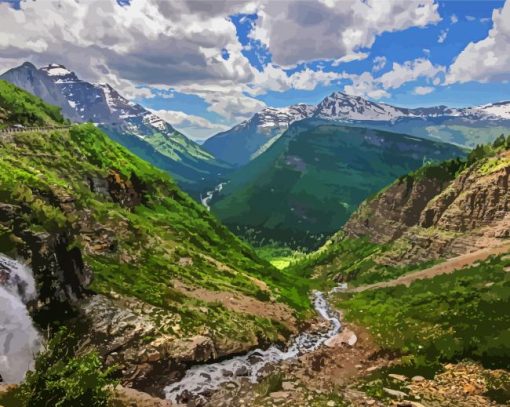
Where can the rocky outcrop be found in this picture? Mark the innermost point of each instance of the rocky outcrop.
(393, 211)
(427, 218)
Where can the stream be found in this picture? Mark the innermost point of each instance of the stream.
(19, 340)
(201, 379)
(206, 200)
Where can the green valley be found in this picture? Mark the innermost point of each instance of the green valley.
(308, 183)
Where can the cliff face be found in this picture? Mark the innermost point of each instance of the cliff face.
(440, 214)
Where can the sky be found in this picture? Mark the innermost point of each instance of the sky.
(205, 66)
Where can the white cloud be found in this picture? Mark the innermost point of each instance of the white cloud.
(299, 31)
(470, 18)
(454, 19)
(423, 90)
(442, 36)
(154, 45)
(379, 63)
(195, 126)
(488, 59)
(378, 87)
(357, 56)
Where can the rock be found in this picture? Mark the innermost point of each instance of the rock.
(399, 377)
(417, 379)
(331, 403)
(242, 371)
(346, 337)
(278, 395)
(288, 386)
(395, 393)
(126, 397)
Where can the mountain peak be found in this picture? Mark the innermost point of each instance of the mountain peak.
(28, 65)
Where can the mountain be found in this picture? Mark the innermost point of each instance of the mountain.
(308, 183)
(463, 126)
(249, 139)
(128, 123)
(38, 83)
(121, 256)
(440, 211)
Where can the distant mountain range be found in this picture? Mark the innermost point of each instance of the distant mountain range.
(128, 123)
(308, 183)
(463, 126)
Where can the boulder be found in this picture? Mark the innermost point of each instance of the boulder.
(346, 337)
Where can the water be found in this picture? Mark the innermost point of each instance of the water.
(206, 378)
(19, 340)
(206, 200)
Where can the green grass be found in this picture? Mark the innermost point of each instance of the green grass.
(279, 256)
(20, 107)
(149, 239)
(447, 318)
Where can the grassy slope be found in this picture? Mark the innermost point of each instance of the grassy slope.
(309, 182)
(151, 238)
(447, 318)
(19, 107)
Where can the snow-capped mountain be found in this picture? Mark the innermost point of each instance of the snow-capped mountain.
(252, 137)
(37, 82)
(128, 123)
(340, 106)
(465, 126)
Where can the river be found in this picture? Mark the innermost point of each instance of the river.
(202, 379)
(206, 199)
(19, 340)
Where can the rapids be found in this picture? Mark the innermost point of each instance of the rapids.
(201, 379)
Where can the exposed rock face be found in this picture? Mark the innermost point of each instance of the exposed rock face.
(430, 218)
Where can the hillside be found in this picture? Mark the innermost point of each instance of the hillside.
(426, 264)
(308, 183)
(437, 212)
(19, 107)
(121, 255)
(128, 123)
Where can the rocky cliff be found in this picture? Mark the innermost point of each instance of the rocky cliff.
(439, 211)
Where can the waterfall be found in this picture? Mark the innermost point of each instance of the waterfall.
(19, 340)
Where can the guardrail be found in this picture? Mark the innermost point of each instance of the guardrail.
(28, 129)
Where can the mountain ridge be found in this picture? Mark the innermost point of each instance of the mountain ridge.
(126, 122)
(435, 122)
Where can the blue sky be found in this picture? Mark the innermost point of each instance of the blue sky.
(205, 66)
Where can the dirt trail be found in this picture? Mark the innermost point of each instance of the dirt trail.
(241, 303)
(448, 266)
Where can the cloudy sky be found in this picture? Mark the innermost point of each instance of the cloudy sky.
(206, 65)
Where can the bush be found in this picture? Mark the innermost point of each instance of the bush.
(62, 379)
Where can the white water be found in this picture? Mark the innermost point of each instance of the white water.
(205, 378)
(19, 340)
(206, 200)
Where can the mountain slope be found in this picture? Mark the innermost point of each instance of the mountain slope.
(128, 123)
(119, 254)
(463, 126)
(440, 211)
(19, 107)
(308, 183)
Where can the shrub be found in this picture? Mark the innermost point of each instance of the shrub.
(63, 379)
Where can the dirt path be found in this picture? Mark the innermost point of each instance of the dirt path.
(449, 266)
(241, 303)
